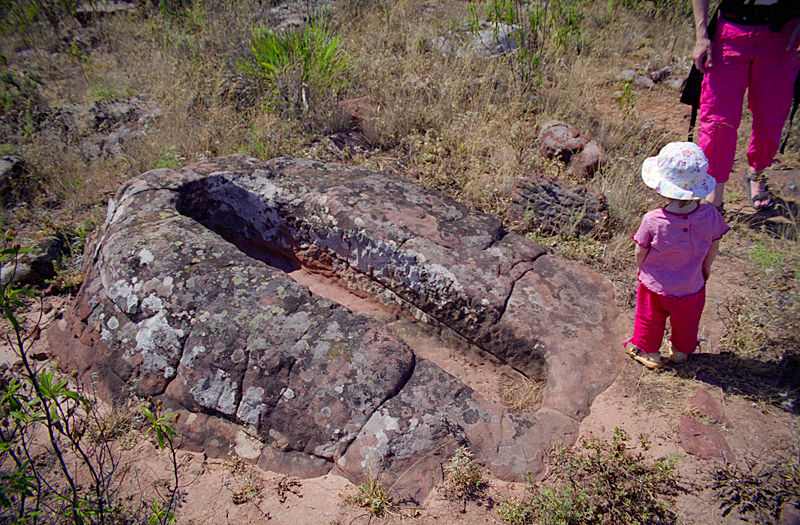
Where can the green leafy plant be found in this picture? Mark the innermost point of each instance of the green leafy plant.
(38, 401)
(516, 511)
(374, 496)
(464, 477)
(297, 66)
(162, 426)
(603, 482)
(538, 29)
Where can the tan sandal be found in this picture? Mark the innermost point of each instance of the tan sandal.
(651, 361)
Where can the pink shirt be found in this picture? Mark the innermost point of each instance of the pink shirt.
(678, 245)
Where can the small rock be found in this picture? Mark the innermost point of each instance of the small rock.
(643, 82)
(562, 140)
(705, 404)
(15, 185)
(586, 162)
(703, 440)
(626, 74)
(36, 266)
(660, 74)
(675, 83)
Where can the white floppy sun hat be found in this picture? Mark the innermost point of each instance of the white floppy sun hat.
(680, 171)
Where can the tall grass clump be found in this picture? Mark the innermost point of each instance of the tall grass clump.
(299, 67)
(540, 30)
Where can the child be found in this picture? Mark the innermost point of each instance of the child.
(675, 246)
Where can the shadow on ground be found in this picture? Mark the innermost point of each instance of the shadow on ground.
(781, 221)
(774, 382)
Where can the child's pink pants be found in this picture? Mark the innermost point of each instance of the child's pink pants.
(652, 311)
(752, 58)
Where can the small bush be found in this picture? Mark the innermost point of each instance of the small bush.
(606, 482)
(374, 497)
(464, 476)
(298, 66)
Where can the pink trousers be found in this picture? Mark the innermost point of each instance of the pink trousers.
(652, 311)
(756, 59)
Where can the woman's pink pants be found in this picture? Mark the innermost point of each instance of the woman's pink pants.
(756, 59)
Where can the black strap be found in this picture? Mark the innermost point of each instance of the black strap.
(795, 103)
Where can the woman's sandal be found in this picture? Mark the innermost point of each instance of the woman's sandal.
(761, 196)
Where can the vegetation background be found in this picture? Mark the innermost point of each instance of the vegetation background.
(270, 78)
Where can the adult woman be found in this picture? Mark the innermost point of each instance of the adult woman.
(754, 48)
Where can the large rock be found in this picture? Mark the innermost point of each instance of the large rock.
(550, 205)
(187, 298)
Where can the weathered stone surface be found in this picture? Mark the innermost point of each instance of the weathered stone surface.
(709, 406)
(643, 82)
(660, 74)
(550, 205)
(587, 161)
(186, 297)
(562, 140)
(14, 183)
(704, 441)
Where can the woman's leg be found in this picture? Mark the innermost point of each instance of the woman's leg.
(769, 98)
(720, 111)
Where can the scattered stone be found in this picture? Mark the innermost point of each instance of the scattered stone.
(344, 144)
(85, 13)
(674, 83)
(703, 441)
(359, 109)
(187, 299)
(642, 82)
(660, 74)
(35, 266)
(563, 141)
(488, 42)
(15, 183)
(109, 125)
(627, 75)
(493, 41)
(707, 405)
(560, 140)
(586, 162)
(549, 205)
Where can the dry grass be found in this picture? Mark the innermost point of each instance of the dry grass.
(521, 393)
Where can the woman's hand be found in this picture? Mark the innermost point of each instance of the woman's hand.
(702, 54)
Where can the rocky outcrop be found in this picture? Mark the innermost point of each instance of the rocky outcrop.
(549, 205)
(187, 299)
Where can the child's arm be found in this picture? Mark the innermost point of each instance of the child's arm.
(641, 254)
(712, 253)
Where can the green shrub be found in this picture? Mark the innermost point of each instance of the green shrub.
(605, 482)
(464, 476)
(299, 66)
